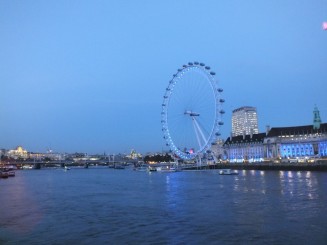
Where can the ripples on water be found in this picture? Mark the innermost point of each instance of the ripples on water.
(106, 206)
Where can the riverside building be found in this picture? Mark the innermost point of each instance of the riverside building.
(285, 144)
(244, 121)
(245, 148)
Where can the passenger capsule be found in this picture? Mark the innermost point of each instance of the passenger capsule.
(214, 143)
(165, 96)
(190, 63)
(217, 134)
(222, 112)
(168, 89)
(220, 90)
(196, 63)
(212, 73)
(184, 66)
(202, 64)
(163, 104)
(179, 70)
(221, 123)
(207, 67)
(222, 100)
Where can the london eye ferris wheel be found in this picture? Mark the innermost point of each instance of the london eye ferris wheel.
(191, 111)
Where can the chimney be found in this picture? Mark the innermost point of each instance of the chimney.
(267, 129)
(251, 133)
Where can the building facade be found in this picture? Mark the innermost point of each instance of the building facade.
(282, 144)
(19, 152)
(301, 142)
(245, 148)
(244, 121)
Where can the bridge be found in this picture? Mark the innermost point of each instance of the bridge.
(62, 163)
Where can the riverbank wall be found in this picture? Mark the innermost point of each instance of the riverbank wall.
(317, 166)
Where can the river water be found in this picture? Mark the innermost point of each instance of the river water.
(108, 206)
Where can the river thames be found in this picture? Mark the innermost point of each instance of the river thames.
(107, 206)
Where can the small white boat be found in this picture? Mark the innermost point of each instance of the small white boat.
(66, 168)
(227, 172)
(11, 173)
(141, 168)
(167, 169)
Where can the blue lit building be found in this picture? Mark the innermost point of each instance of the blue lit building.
(245, 148)
(296, 142)
(299, 143)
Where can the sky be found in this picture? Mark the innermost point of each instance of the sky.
(89, 76)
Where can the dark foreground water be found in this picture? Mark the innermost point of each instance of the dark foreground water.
(107, 206)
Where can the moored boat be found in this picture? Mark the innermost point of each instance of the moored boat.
(141, 168)
(166, 169)
(152, 169)
(227, 172)
(8, 171)
(11, 173)
(119, 166)
(3, 175)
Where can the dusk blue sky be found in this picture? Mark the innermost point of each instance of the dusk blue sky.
(89, 76)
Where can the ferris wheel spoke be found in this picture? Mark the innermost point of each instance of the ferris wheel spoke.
(198, 132)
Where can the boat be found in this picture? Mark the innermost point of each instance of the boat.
(7, 172)
(141, 168)
(152, 169)
(118, 166)
(166, 169)
(11, 173)
(227, 172)
(66, 168)
(3, 174)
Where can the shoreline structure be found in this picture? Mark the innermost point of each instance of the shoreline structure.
(319, 165)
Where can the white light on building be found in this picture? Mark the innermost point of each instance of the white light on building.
(245, 121)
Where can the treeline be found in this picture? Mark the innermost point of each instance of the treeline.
(158, 158)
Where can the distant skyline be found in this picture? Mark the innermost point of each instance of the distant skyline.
(89, 76)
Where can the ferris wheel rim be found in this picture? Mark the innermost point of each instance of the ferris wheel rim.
(214, 132)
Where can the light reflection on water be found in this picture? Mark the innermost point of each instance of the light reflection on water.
(195, 207)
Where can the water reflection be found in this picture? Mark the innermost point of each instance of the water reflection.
(14, 203)
(298, 183)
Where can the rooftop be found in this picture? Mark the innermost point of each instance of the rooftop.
(297, 130)
(247, 139)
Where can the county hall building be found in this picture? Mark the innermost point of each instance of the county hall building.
(288, 144)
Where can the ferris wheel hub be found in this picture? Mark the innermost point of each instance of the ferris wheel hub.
(191, 113)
